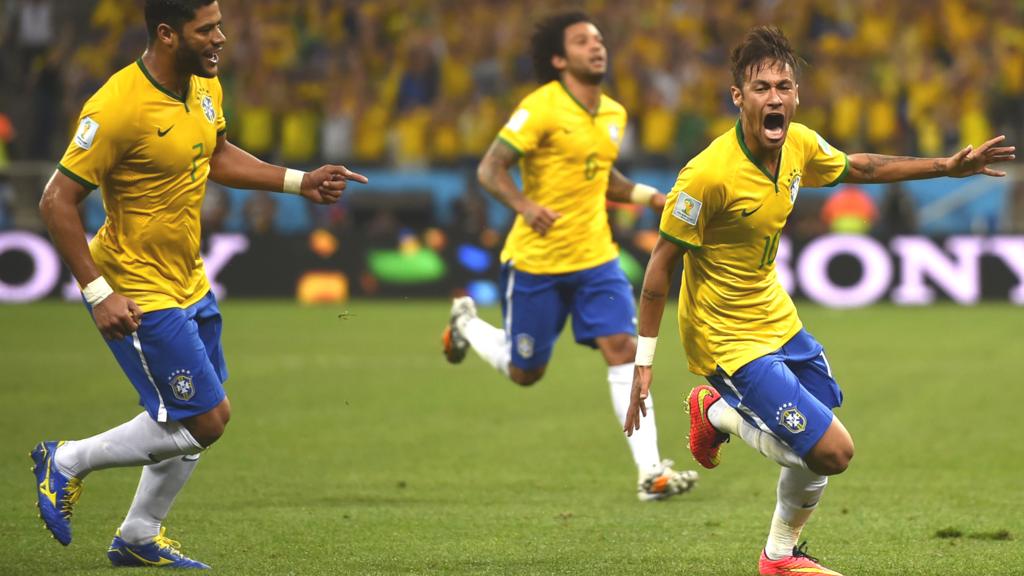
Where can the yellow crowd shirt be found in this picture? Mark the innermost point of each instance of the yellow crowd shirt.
(566, 156)
(148, 150)
(728, 212)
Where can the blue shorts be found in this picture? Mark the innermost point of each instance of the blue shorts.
(790, 392)
(175, 360)
(536, 306)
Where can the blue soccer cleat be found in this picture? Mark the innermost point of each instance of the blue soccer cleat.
(56, 492)
(162, 552)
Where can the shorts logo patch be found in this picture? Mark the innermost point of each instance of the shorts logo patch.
(687, 208)
(86, 133)
(207, 104)
(181, 385)
(791, 418)
(524, 345)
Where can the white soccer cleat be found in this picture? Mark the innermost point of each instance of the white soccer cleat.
(453, 339)
(664, 482)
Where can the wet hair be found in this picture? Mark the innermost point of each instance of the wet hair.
(174, 13)
(762, 46)
(549, 40)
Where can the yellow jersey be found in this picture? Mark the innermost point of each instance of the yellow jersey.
(566, 156)
(148, 150)
(728, 212)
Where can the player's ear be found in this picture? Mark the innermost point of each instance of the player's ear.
(737, 96)
(559, 62)
(165, 34)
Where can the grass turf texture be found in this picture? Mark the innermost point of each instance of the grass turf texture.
(355, 449)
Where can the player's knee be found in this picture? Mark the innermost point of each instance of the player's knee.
(209, 427)
(525, 377)
(834, 461)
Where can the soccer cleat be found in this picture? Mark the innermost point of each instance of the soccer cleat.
(162, 552)
(705, 441)
(799, 564)
(664, 482)
(455, 343)
(56, 493)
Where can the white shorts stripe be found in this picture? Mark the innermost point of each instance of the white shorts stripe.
(161, 415)
(760, 423)
(508, 304)
(828, 367)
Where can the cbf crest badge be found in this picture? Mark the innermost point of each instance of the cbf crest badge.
(791, 418)
(208, 111)
(524, 345)
(794, 189)
(181, 385)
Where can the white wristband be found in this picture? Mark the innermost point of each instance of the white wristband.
(642, 194)
(645, 350)
(97, 291)
(292, 181)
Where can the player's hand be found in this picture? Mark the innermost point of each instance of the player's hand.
(117, 316)
(642, 377)
(539, 218)
(325, 184)
(658, 202)
(970, 160)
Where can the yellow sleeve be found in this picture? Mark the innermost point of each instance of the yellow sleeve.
(221, 122)
(823, 164)
(103, 135)
(692, 203)
(525, 128)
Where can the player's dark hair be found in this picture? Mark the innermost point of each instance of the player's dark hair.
(174, 13)
(762, 46)
(548, 41)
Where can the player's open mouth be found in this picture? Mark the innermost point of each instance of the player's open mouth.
(212, 57)
(774, 126)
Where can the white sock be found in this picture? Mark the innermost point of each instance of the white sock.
(798, 496)
(137, 442)
(726, 419)
(159, 484)
(490, 343)
(644, 442)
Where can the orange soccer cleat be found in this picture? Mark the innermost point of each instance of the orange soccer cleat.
(705, 441)
(799, 564)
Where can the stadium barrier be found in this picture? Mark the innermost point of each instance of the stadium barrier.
(833, 270)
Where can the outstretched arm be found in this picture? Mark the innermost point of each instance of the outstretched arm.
(657, 279)
(622, 189)
(873, 168)
(234, 167)
(493, 175)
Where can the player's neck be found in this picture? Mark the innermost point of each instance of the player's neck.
(768, 158)
(589, 95)
(161, 67)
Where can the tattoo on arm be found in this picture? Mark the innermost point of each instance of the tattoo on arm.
(619, 186)
(500, 156)
(872, 162)
(648, 294)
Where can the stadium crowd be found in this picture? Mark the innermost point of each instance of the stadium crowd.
(411, 83)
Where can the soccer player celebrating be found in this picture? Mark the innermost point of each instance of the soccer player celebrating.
(740, 329)
(150, 138)
(559, 258)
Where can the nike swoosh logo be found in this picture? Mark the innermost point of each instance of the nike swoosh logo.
(161, 133)
(745, 213)
(704, 393)
(44, 486)
(161, 561)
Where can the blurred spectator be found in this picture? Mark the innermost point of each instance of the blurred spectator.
(898, 213)
(850, 210)
(1015, 212)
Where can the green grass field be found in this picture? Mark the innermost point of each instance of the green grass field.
(355, 449)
